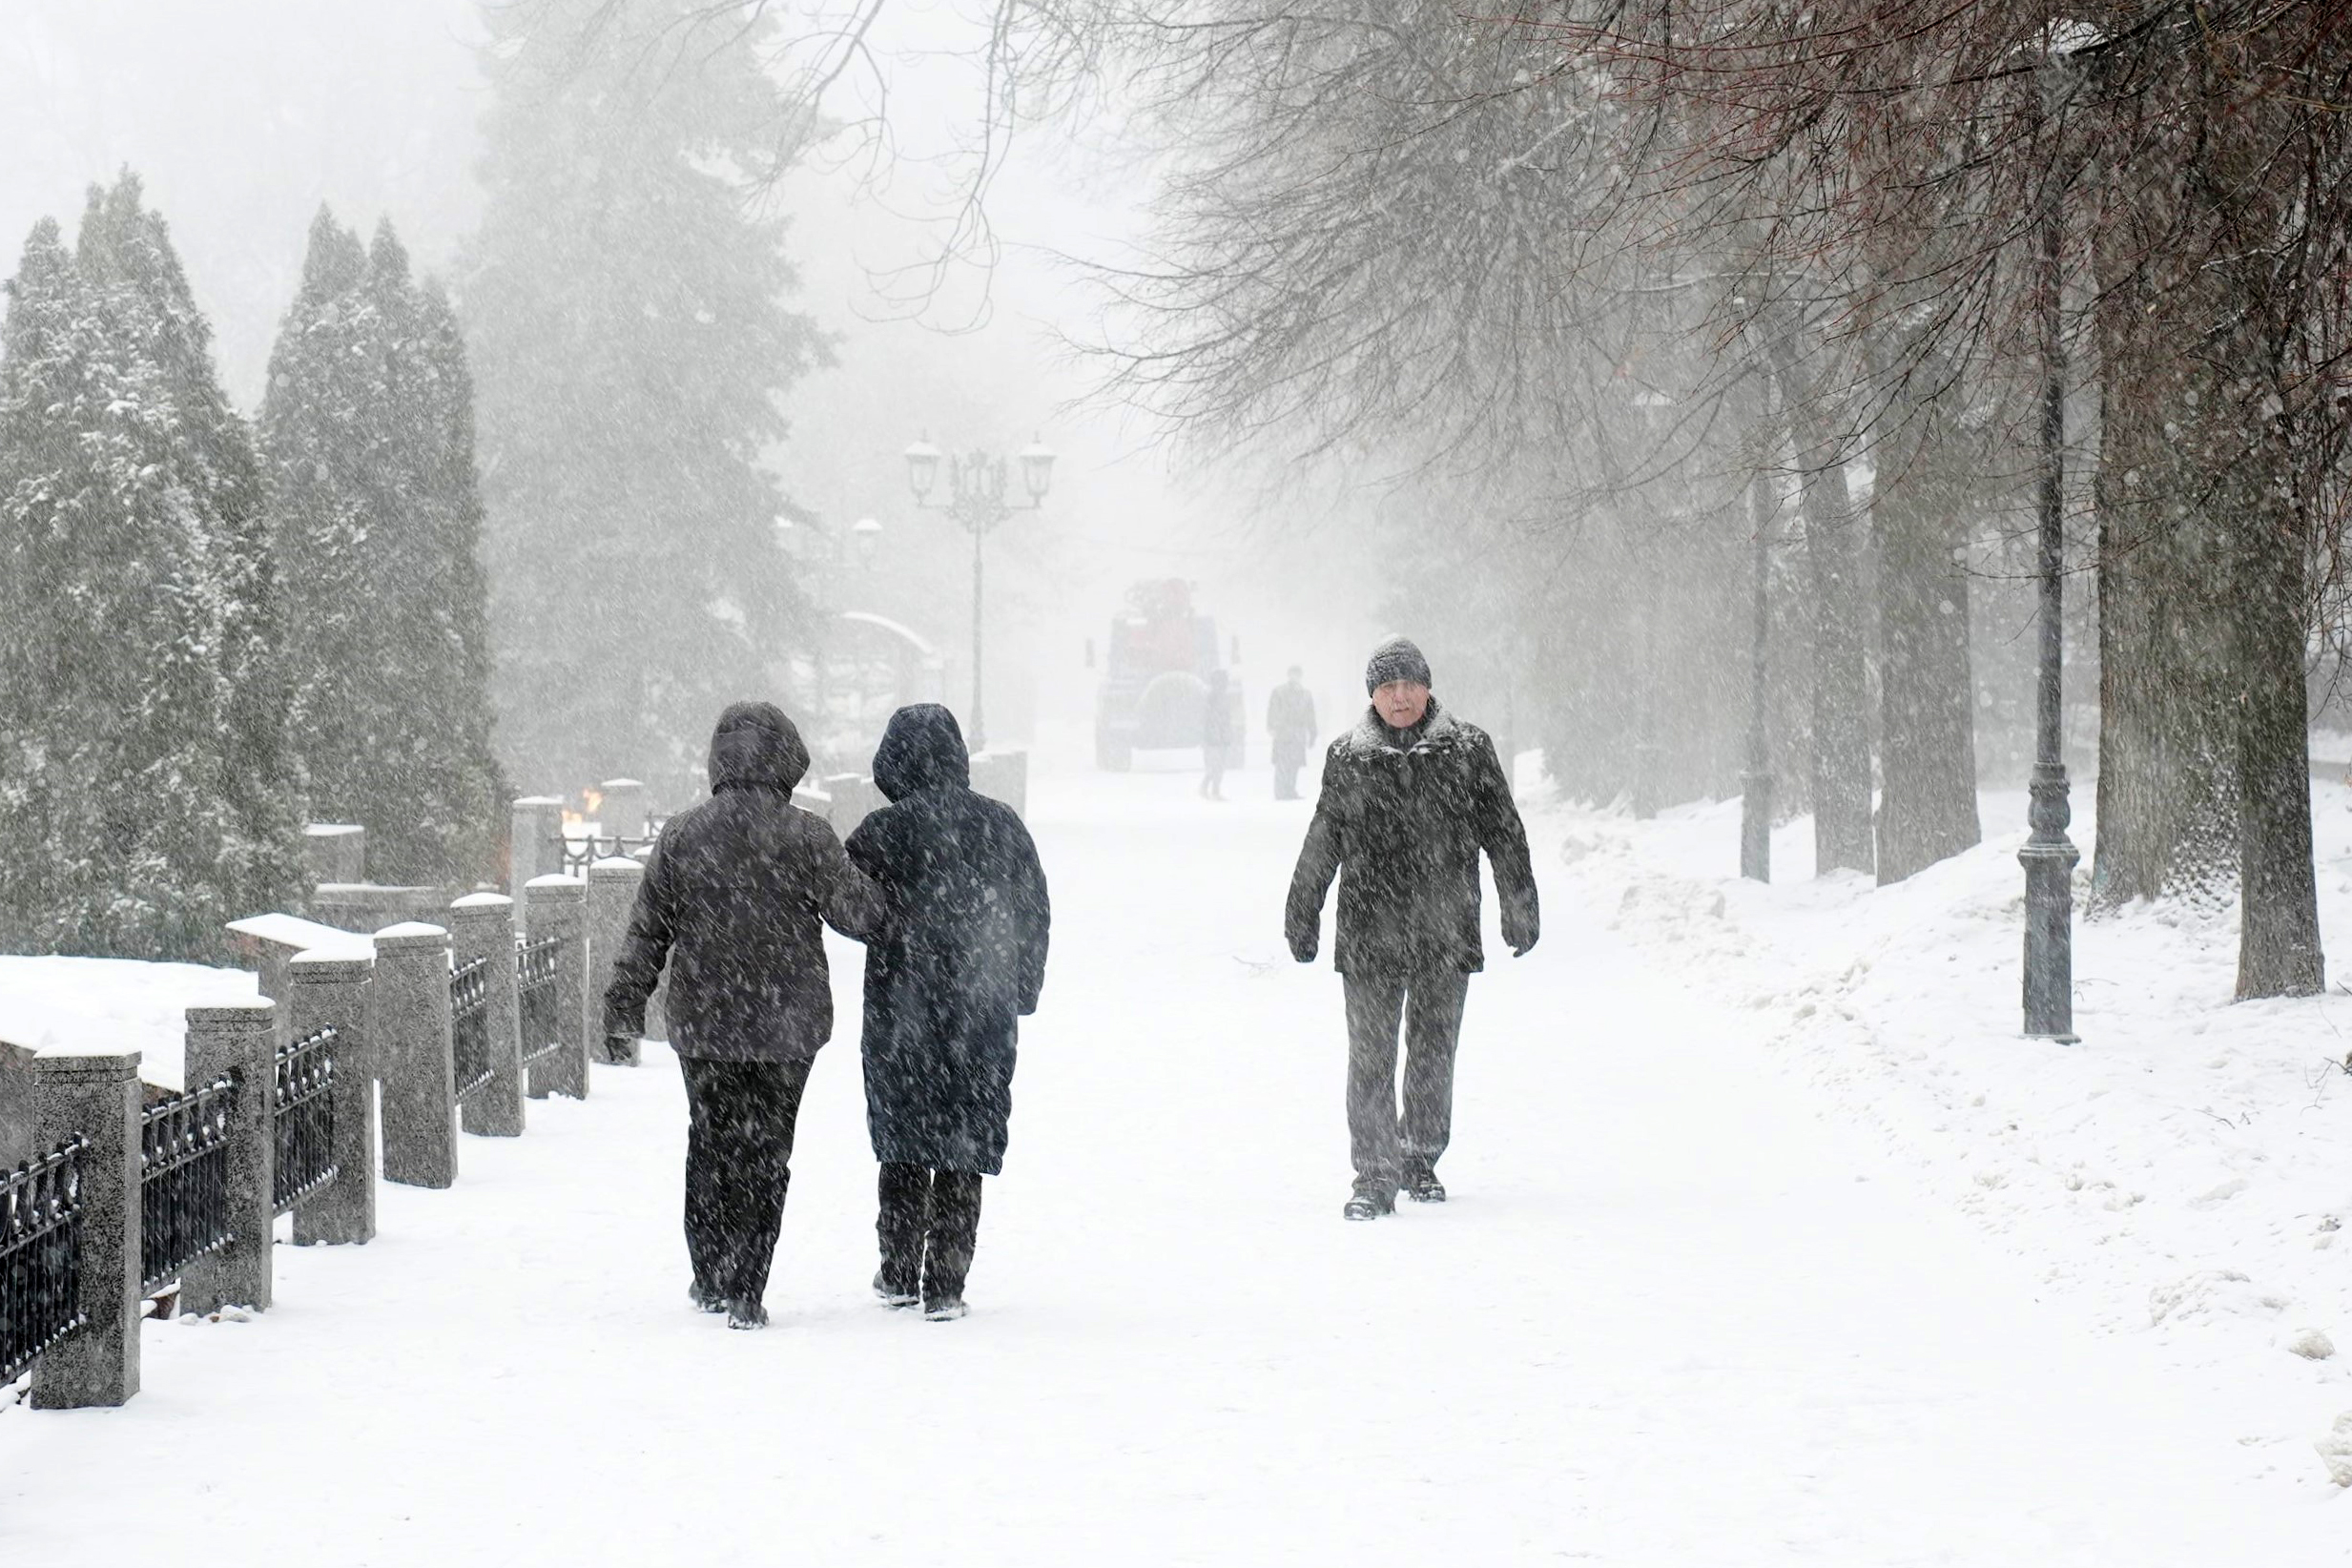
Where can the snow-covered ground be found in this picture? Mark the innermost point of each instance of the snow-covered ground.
(50, 1003)
(1692, 1303)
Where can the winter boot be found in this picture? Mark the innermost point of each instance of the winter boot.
(890, 1297)
(944, 1312)
(704, 1298)
(1422, 1186)
(743, 1312)
(1368, 1203)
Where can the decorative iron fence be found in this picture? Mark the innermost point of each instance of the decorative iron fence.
(469, 1018)
(302, 1119)
(578, 853)
(183, 1181)
(40, 1256)
(534, 974)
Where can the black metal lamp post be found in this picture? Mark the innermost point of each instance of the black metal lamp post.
(2049, 856)
(977, 487)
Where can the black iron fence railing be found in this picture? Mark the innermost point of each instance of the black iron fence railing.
(534, 974)
(578, 853)
(40, 1256)
(302, 1119)
(183, 1179)
(470, 1017)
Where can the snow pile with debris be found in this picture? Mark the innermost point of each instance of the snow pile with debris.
(2183, 1173)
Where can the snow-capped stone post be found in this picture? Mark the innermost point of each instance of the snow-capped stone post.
(411, 1016)
(557, 906)
(621, 815)
(338, 852)
(852, 799)
(613, 884)
(239, 1042)
(330, 990)
(97, 1095)
(482, 925)
(533, 841)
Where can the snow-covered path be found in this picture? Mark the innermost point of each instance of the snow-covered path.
(1670, 1318)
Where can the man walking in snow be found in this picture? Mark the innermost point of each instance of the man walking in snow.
(945, 994)
(1290, 719)
(1409, 797)
(732, 899)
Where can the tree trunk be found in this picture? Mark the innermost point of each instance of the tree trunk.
(2278, 936)
(1841, 759)
(1927, 718)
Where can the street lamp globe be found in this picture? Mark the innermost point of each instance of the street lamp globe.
(1037, 468)
(922, 467)
(867, 535)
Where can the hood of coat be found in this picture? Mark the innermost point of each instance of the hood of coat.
(757, 747)
(922, 750)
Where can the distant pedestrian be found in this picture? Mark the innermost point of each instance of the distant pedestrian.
(1409, 797)
(1216, 735)
(1290, 719)
(733, 893)
(945, 994)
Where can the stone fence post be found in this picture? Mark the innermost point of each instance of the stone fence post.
(613, 884)
(532, 853)
(409, 1014)
(852, 798)
(330, 990)
(557, 906)
(622, 814)
(240, 1040)
(1003, 775)
(482, 926)
(97, 1093)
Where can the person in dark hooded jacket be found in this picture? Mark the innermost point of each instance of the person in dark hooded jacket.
(733, 896)
(964, 963)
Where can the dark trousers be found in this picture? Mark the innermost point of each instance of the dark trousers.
(929, 1226)
(1286, 780)
(1429, 1006)
(738, 1164)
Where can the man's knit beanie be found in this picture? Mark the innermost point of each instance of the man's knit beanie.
(1395, 660)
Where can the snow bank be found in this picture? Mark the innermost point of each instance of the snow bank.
(2183, 1173)
(52, 1003)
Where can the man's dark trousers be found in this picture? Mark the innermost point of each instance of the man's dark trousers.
(738, 1164)
(1429, 1006)
(929, 1226)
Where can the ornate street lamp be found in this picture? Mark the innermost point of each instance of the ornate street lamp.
(2050, 855)
(978, 484)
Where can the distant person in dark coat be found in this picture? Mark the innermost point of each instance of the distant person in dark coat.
(1409, 797)
(1290, 719)
(733, 893)
(1216, 734)
(945, 994)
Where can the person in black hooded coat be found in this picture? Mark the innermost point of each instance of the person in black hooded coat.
(733, 896)
(964, 963)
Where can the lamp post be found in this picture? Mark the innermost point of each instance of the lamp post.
(2049, 856)
(975, 499)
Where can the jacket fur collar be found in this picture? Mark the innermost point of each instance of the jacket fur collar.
(1371, 735)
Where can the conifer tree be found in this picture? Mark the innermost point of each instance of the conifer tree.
(625, 307)
(130, 599)
(367, 427)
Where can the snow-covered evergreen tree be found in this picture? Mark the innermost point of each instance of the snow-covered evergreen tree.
(625, 306)
(133, 599)
(366, 426)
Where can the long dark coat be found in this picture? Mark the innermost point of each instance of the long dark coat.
(965, 958)
(731, 899)
(1402, 828)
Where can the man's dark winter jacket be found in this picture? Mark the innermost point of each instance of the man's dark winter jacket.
(731, 899)
(1401, 825)
(966, 952)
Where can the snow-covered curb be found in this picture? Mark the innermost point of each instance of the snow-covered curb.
(2181, 1173)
